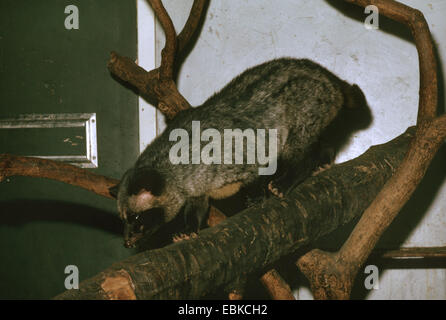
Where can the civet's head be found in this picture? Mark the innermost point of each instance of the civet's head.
(140, 203)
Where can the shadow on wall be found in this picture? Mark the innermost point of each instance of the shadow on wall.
(385, 24)
(57, 211)
(399, 30)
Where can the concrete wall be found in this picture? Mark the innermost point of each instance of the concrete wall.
(383, 62)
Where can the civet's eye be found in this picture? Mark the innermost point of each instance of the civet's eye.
(133, 218)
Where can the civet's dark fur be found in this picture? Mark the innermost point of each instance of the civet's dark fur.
(299, 98)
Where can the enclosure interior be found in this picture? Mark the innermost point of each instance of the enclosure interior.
(46, 69)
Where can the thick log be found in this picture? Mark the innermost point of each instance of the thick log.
(254, 239)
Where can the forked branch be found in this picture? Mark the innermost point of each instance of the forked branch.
(159, 84)
(332, 274)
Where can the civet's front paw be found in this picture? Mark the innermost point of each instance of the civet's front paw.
(275, 191)
(321, 169)
(183, 236)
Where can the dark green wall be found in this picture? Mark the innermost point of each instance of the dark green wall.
(44, 68)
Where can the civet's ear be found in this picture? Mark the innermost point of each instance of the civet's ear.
(114, 191)
(147, 179)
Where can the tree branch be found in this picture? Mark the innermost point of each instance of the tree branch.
(170, 47)
(158, 84)
(331, 275)
(276, 286)
(11, 165)
(191, 25)
(428, 253)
